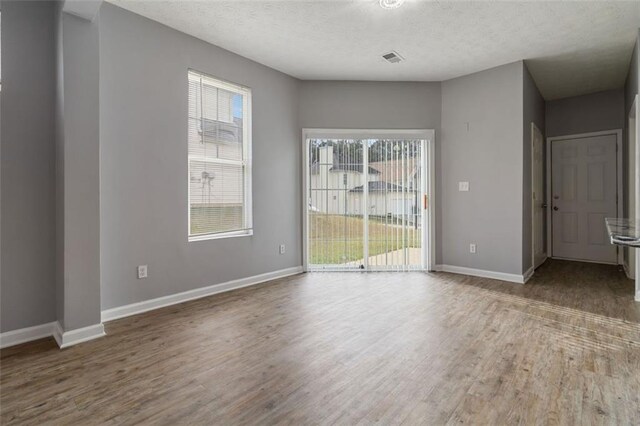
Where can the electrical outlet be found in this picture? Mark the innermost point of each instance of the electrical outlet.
(282, 249)
(142, 271)
(463, 186)
(472, 248)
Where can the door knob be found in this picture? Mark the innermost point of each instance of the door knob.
(544, 206)
(555, 208)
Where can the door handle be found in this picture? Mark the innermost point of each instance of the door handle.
(544, 206)
(555, 208)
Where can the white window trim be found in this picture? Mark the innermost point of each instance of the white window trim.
(220, 235)
(247, 161)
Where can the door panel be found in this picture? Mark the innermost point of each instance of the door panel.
(334, 214)
(569, 227)
(584, 186)
(395, 212)
(595, 181)
(569, 182)
(596, 234)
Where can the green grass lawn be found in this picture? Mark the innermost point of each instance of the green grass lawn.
(335, 239)
(206, 218)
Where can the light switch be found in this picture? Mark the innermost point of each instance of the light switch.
(463, 186)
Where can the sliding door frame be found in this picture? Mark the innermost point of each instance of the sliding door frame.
(428, 182)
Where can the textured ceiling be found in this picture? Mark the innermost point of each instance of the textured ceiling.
(571, 48)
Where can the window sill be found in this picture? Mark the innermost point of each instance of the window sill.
(232, 234)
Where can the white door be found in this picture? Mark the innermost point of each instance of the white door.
(583, 178)
(538, 199)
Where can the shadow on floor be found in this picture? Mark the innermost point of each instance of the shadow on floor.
(588, 287)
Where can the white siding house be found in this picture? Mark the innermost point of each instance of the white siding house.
(214, 133)
(337, 187)
(331, 179)
(386, 199)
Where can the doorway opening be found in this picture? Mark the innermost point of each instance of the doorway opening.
(368, 200)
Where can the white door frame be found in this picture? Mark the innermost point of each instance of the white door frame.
(632, 176)
(533, 207)
(620, 192)
(635, 113)
(428, 220)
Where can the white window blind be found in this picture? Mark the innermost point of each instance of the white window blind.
(219, 144)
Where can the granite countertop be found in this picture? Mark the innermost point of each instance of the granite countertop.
(623, 232)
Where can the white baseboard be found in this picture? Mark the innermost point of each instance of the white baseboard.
(160, 302)
(514, 278)
(73, 337)
(79, 335)
(63, 338)
(23, 335)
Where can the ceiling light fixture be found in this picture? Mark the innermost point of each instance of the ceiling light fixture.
(391, 4)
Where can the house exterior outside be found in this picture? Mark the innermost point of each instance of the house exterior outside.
(216, 173)
(337, 187)
(214, 133)
(386, 199)
(331, 179)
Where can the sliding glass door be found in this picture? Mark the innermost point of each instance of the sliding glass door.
(335, 213)
(366, 199)
(395, 200)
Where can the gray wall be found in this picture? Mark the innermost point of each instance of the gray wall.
(143, 160)
(376, 105)
(79, 173)
(584, 114)
(633, 78)
(28, 168)
(370, 105)
(482, 132)
(59, 161)
(533, 112)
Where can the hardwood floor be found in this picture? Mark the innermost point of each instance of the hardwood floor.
(331, 348)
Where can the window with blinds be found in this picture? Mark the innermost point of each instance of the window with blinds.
(219, 144)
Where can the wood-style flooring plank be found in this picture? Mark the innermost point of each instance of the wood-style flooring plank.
(352, 348)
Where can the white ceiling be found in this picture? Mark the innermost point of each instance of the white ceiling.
(571, 48)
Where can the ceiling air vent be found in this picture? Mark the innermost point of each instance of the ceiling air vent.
(393, 57)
